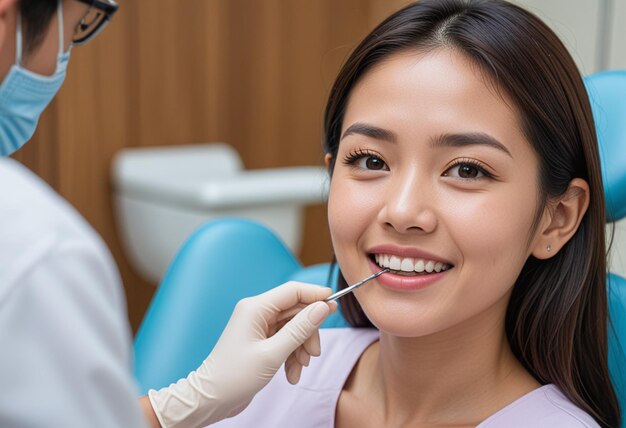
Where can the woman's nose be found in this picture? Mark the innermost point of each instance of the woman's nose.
(409, 205)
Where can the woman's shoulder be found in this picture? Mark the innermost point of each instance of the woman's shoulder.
(312, 402)
(545, 407)
(342, 343)
(341, 349)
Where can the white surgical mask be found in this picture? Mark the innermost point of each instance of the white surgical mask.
(24, 95)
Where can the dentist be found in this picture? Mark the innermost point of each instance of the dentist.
(65, 347)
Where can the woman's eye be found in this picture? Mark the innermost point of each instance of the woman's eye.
(372, 163)
(365, 160)
(466, 171)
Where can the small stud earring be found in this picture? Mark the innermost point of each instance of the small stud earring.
(549, 248)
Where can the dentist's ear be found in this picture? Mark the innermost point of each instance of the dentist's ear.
(327, 158)
(5, 5)
(561, 219)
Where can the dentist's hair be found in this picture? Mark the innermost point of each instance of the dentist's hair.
(557, 317)
(36, 17)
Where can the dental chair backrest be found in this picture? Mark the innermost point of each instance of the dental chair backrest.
(229, 259)
(221, 263)
(607, 93)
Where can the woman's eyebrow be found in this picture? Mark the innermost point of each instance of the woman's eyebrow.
(472, 138)
(370, 131)
(447, 140)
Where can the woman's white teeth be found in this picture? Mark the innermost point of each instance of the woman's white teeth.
(408, 264)
(395, 263)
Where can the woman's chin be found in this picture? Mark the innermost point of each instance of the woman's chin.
(395, 323)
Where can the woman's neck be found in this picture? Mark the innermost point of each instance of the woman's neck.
(461, 375)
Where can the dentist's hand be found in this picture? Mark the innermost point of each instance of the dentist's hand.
(264, 332)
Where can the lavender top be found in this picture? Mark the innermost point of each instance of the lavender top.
(312, 402)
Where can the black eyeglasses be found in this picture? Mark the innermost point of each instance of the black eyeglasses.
(98, 16)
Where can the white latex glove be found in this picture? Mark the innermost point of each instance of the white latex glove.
(260, 336)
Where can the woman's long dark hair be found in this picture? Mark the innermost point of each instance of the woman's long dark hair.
(556, 321)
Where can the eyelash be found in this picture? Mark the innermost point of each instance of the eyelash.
(359, 154)
(473, 163)
(356, 155)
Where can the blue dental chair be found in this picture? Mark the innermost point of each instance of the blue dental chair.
(607, 93)
(221, 263)
(229, 259)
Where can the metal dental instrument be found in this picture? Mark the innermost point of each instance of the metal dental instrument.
(345, 291)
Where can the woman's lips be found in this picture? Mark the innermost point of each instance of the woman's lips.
(405, 282)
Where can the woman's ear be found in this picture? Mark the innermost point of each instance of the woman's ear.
(327, 158)
(561, 219)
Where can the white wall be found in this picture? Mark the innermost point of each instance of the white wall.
(594, 31)
(576, 22)
(617, 39)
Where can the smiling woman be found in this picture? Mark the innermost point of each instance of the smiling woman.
(457, 186)
(463, 157)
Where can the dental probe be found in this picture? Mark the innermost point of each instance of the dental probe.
(345, 291)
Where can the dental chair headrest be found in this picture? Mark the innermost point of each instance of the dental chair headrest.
(607, 93)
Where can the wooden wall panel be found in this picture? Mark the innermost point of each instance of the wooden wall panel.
(251, 73)
(40, 154)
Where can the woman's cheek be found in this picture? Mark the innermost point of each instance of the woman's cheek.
(351, 211)
(491, 234)
(339, 204)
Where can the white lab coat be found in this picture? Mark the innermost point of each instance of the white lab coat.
(65, 350)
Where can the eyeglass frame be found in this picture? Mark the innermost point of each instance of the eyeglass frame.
(107, 7)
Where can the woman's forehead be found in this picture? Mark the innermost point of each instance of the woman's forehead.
(439, 91)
